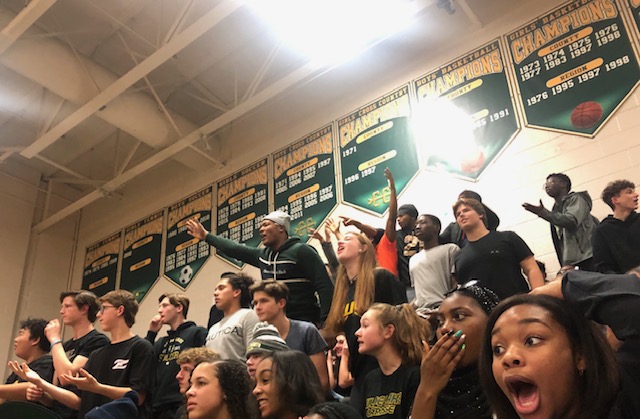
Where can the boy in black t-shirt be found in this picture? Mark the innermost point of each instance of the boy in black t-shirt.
(113, 370)
(30, 345)
(79, 310)
(495, 258)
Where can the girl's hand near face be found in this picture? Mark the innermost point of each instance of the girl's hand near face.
(439, 362)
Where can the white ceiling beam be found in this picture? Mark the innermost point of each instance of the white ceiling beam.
(156, 59)
(23, 21)
(268, 93)
(253, 86)
(61, 167)
(74, 181)
(303, 73)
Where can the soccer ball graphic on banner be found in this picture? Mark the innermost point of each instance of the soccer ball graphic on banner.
(186, 274)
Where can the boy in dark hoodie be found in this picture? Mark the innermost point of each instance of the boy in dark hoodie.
(616, 241)
(571, 222)
(183, 334)
(284, 259)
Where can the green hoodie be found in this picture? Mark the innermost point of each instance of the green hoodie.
(296, 264)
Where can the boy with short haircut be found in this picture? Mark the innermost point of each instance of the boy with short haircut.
(182, 334)
(111, 371)
(270, 300)
(32, 346)
(79, 310)
(431, 268)
(495, 258)
(125, 364)
(616, 241)
(230, 336)
(187, 361)
(571, 222)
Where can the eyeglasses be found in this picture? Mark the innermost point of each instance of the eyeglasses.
(459, 287)
(104, 307)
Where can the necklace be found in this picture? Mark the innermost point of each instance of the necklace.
(352, 280)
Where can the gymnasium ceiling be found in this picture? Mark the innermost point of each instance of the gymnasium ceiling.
(96, 93)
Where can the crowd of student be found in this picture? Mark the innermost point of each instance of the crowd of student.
(458, 324)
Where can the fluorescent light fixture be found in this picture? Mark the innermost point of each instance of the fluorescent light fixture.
(333, 31)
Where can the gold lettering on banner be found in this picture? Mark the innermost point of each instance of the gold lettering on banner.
(108, 246)
(575, 72)
(561, 21)
(186, 208)
(140, 264)
(393, 105)
(240, 182)
(143, 229)
(486, 60)
(302, 151)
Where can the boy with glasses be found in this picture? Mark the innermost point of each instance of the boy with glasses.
(126, 364)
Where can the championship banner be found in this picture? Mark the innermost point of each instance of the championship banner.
(185, 255)
(142, 255)
(574, 66)
(242, 205)
(634, 6)
(304, 175)
(101, 265)
(373, 137)
(469, 98)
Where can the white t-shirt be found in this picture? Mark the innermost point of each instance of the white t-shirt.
(430, 271)
(231, 335)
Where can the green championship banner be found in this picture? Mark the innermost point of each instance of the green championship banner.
(101, 265)
(634, 6)
(373, 137)
(142, 255)
(304, 174)
(574, 66)
(242, 205)
(469, 98)
(185, 255)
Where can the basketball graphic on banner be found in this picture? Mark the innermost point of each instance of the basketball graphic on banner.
(586, 115)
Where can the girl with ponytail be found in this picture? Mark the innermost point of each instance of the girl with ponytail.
(393, 335)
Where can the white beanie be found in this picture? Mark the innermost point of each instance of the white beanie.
(280, 218)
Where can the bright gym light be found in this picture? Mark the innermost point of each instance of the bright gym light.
(333, 31)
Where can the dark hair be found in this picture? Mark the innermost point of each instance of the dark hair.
(296, 381)
(83, 298)
(271, 287)
(177, 300)
(470, 195)
(563, 178)
(236, 386)
(335, 410)
(36, 331)
(486, 299)
(242, 282)
(614, 188)
(475, 205)
(125, 299)
(227, 274)
(434, 220)
(598, 386)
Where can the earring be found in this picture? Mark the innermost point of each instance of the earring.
(581, 371)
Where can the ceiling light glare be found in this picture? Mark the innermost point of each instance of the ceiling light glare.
(333, 31)
(445, 131)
